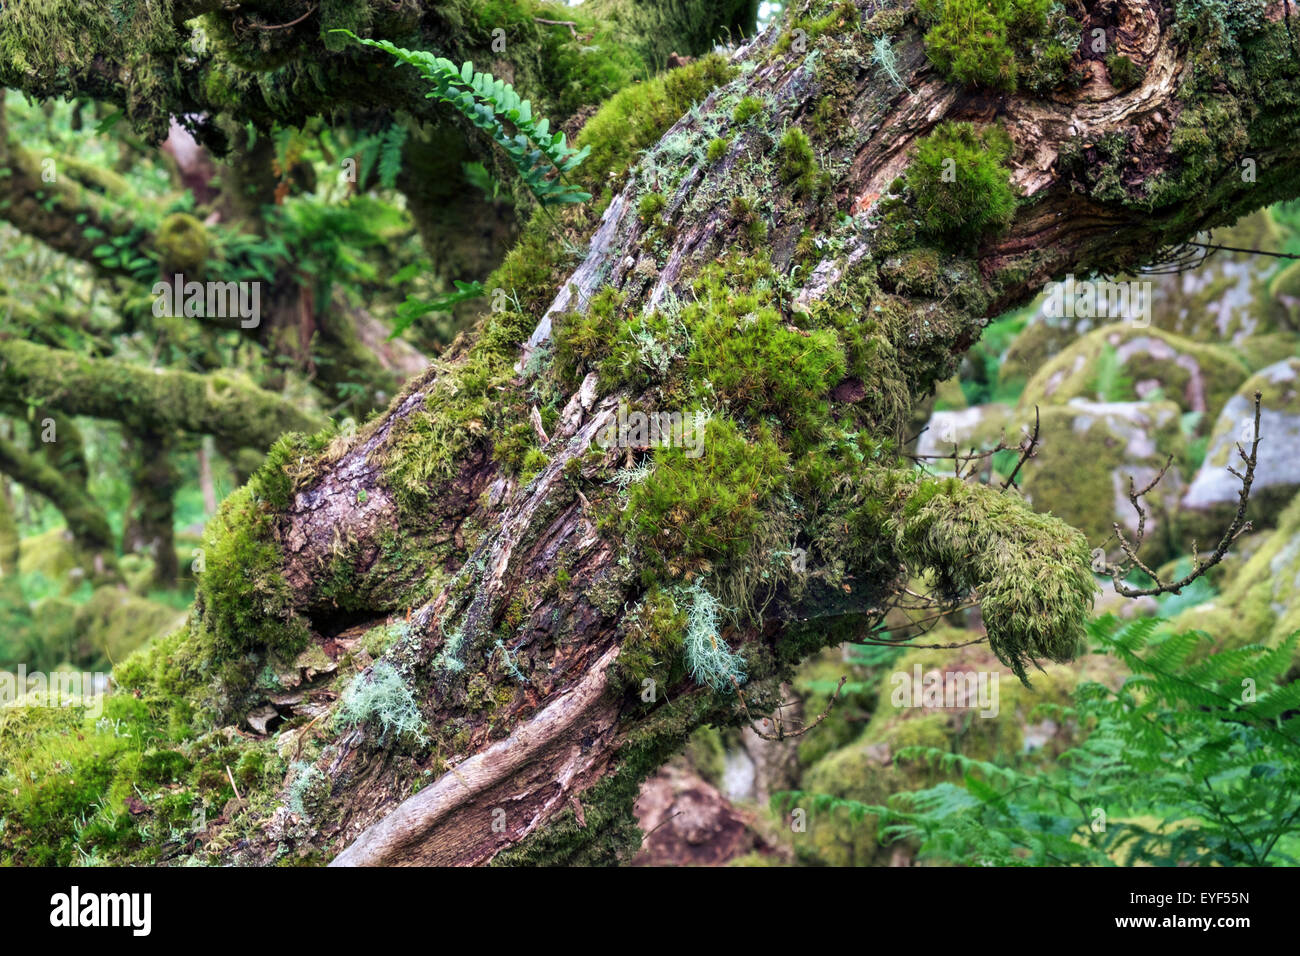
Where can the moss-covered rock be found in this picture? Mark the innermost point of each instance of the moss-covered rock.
(1211, 498)
(976, 426)
(1043, 337)
(1123, 363)
(980, 711)
(1088, 452)
(1226, 299)
(55, 557)
(101, 631)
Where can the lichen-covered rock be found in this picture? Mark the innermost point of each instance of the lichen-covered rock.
(1260, 603)
(1088, 452)
(1211, 499)
(1123, 363)
(1043, 337)
(978, 426)
(1226, 299)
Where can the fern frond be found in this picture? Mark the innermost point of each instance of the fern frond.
(539, 156)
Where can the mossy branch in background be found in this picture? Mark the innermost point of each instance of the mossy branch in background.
(540, 156)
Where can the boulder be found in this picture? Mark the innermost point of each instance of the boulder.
(1123, 363)
(1227, 298)
(1088, 451)
(1260, 603)
(1211, 499)
(979, 426)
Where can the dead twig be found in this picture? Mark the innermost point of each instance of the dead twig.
(778, 723)
(1027, 451)
(573, 27)
(284, 26)
(1239, 526)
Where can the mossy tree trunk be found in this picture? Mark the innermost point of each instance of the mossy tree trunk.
(86, 520)
(790, 256)
(151, 513)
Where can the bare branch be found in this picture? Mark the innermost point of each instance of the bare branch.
(1200, 566)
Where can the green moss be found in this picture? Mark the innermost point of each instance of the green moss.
(1124, 73)
(636, 117)
(243, 602)
(182, 244)
(705, 752)
(1190, 373)
(960, 183)
(1000, 44)
(748, 108)
(717, 149)
(705, 508)
(650, 206)
(1032, 571)
(798, 164)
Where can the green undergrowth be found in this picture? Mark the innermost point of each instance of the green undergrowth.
(137, 783)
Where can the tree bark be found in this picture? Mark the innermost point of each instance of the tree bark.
(151, 512)
(519, 637)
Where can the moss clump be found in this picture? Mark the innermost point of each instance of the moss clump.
(798, 165)
(461, 410)
(748, 108)
(705, 508)
(1000, 43)
(717, 149)
(1124, 73)
(182, 245)
(960, 183)
(650, 206)
(243, 602)
(653, 647)
(1032, 571)
(636, 117)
